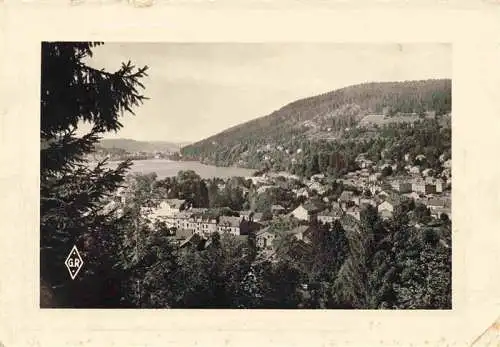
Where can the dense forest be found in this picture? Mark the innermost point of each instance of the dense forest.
(333, 115)
(335, 158)
(373, 264)
(430, 137)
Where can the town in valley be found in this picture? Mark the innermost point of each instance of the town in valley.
(313, 200)
(339, 200)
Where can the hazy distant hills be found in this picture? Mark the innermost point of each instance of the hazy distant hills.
(327, 115)
(132, 146)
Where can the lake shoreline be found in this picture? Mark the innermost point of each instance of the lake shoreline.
(169, 168)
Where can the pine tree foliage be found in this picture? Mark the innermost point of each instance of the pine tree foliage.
(351, 287)
(72, 193)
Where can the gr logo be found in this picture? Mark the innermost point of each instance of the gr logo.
(74, 262)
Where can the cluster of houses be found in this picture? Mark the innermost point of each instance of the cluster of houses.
(368, 186)
(350, 203)
(385, 194)
(112, 154)
(269, 242)
(185, 221)
(363, 187)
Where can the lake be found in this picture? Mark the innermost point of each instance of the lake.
(168, 168)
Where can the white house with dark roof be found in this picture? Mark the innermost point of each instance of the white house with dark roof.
(277, 209)
(374, 177)
(300, 213)
(246, 215)
(250, 216)
(413, 195)
(390, 202)
(350, 223)
(265, 238)
(205, 226)
(354, 211)
(437, 212)
(168, 207)
(318, 187)
(422, 187)
(427, 172)
(385, 214)
(263, 189)
(317, 177)
(386, 205)
(420, 157)
(401, 186)
(306, 212)
(302, 192)
(257, 216)
(299, 232)
(383, 194)
(433, 204)
(372, 119)
(189, 221)
(374, 188)
(383, 166)
(365, 202)
(228, 224)
(345, 197)
(329, 216)
(439, 185)
(414, 170)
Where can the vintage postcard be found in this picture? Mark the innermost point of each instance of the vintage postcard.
(268, 175)
(182, 184)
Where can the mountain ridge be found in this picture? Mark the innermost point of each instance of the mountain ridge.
(326, 116)
(131, 145)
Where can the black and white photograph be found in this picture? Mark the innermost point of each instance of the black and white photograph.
(231, 175)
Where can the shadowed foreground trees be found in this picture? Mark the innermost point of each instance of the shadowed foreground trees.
(72, 193)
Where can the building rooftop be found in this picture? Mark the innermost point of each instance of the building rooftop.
(346, 195)
(277, 207)
(229, 221)
(311, 206)
(175, 203)
(436, 202)
(262, 231)
(182, 234)
(333, 212)
(297, 230)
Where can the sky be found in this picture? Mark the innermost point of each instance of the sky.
(199, 89)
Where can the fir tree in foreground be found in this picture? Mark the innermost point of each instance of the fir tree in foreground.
(72, 193)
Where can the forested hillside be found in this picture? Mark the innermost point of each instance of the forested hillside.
(337, 115)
